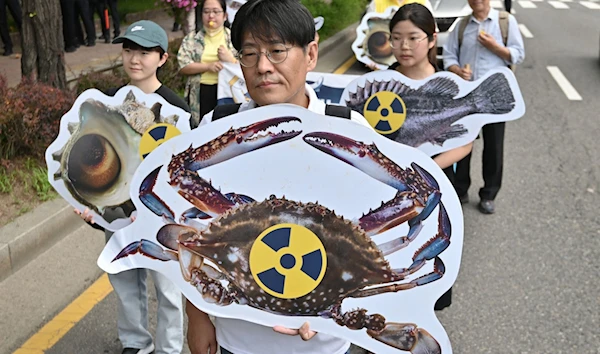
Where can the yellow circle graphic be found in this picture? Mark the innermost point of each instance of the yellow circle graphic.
(288, 261)
(385, 111)
(156, 135)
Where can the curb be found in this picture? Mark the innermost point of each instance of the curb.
(331, 42)
(32, 234)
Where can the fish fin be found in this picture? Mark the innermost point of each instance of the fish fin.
(455, 131)
(493, 95)
(441, 86)
(358, 99)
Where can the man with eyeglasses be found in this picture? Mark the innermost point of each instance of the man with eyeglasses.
(481, 49)
(276, 48)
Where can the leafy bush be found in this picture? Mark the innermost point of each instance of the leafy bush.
(338, 14)
(101, 80)
(30, 118)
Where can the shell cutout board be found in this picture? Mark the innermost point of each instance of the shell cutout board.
(436, 114)
(101, 142)
(279, 225)
(371, 46)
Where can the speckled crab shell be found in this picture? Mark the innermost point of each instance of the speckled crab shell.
(353, 260)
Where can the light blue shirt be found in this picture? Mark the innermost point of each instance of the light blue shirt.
(479, 57)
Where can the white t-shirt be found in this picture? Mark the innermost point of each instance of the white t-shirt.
(243, 337)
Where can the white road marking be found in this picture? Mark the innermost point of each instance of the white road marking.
(527, 4)
(564, 84)
(513, 11)
(537, 0)
(558, 4)
(566, 0)
(524, 31)
(497, 4)
(590, 5)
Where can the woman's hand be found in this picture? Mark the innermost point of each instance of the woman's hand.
(86, 215)
(225, 54)
(304, 331)
(215, 67)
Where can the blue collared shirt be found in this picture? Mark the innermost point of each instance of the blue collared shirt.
(479, 57)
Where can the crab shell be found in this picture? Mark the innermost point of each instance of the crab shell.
(353, 260)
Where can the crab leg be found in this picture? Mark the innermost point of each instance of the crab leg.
(418, 192)
(232, 143)
(403, 336)
(148, 249)
(208, 201)
(195, 213)
(151, 200)
(407, 336)
(438, 271)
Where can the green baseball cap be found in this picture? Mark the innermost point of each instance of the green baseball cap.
(146, 34)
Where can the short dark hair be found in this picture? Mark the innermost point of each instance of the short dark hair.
(129, 44)
(421, 17)
(287, 20)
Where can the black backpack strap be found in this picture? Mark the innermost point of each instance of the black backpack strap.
(225, 110)
(337, 111)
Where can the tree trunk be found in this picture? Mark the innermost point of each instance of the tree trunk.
(42, 40)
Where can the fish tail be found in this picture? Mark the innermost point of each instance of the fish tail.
(493, 95)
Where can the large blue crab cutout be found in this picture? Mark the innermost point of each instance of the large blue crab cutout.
(436, 114)
(91, 162)
(279, 215)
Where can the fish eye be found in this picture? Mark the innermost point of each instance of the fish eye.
(93, 164)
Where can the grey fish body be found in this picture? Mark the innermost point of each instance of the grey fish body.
(432, 109)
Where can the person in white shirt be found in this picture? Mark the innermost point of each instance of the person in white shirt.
(276, 48)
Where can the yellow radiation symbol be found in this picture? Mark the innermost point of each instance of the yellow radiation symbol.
(156, 135)
(288, 261)
(385, 111)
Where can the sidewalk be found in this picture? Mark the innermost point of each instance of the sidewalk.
(85, 59)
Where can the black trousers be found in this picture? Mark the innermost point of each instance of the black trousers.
(507, 5)
(82, 10)
(208, 99)
(69, 18)
(100, 7)
(15, 10)
(492, 161)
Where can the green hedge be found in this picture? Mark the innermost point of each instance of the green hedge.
(338, 15)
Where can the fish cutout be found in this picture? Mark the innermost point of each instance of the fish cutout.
(439, 113)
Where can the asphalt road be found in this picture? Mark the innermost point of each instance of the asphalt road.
(529, 279)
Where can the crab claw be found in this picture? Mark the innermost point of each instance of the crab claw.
(148, 249)
(407, 336)
(232, 143)
(365, 157)
(153, 201)
(436, 245)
